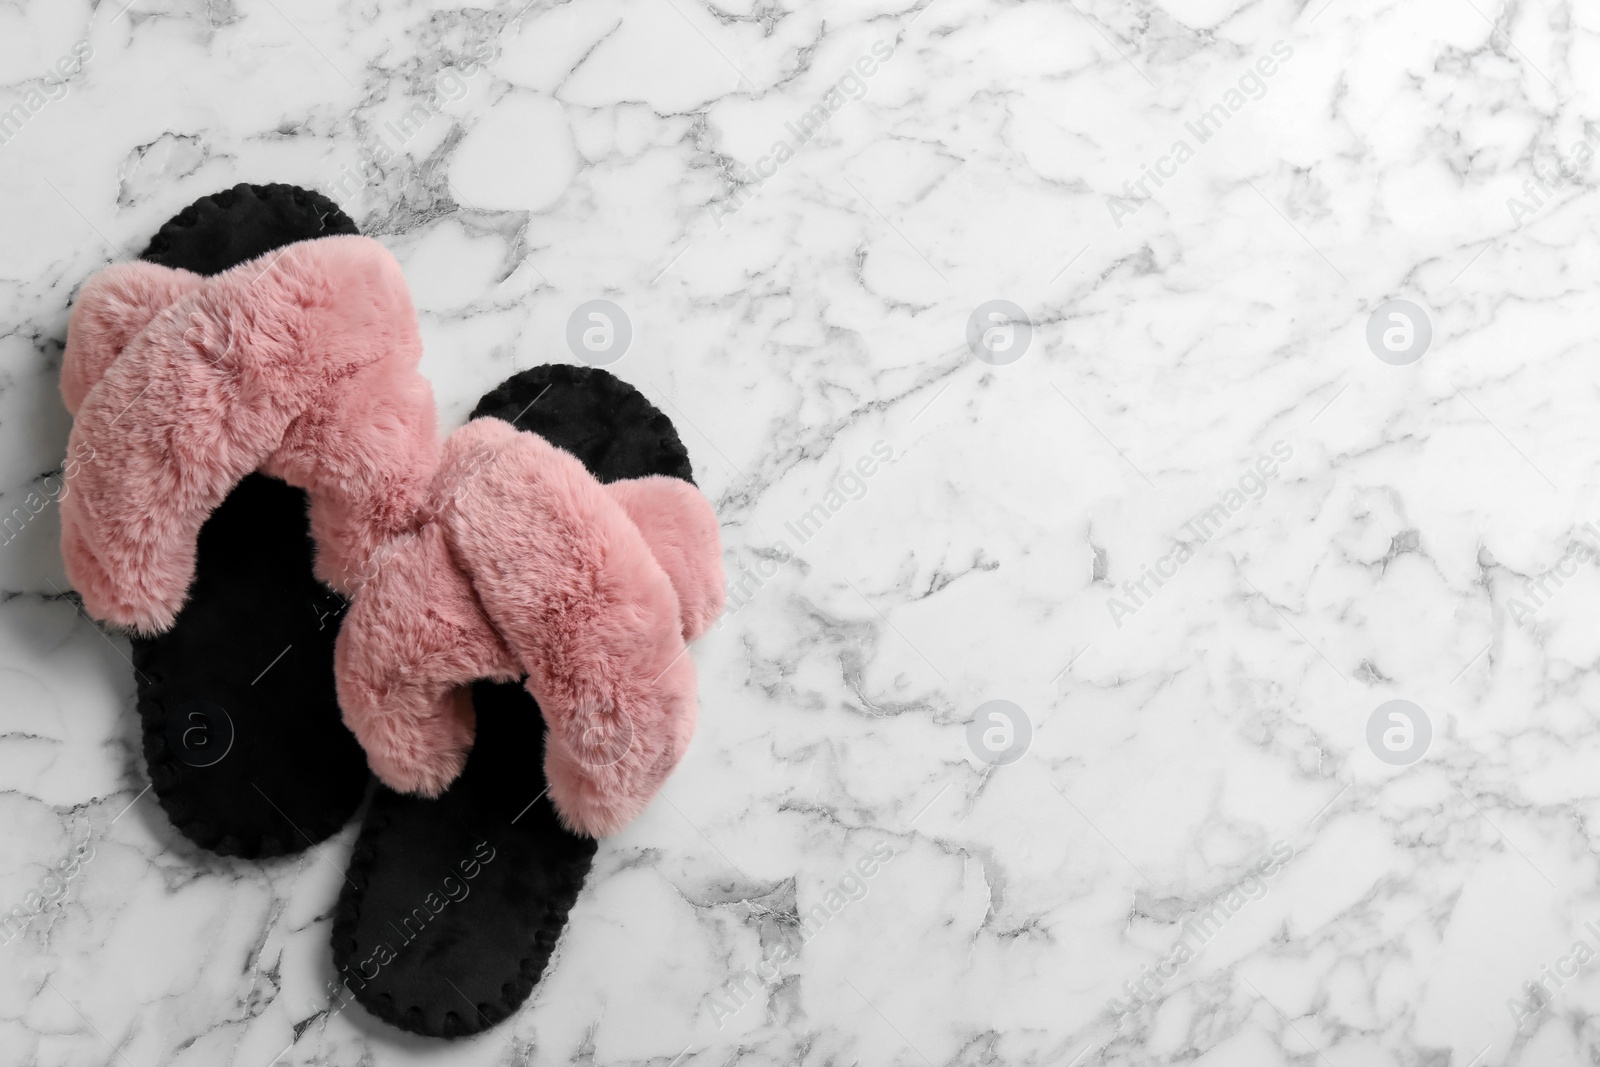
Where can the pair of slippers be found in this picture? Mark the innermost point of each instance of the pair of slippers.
(315, 584)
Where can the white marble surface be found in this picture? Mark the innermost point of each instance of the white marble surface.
(790, 322)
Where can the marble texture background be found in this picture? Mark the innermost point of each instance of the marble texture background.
(790, 321)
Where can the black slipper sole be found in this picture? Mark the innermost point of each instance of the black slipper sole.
(452, 907)
(243, 738)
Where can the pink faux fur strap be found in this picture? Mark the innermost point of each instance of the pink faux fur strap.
(301, 364)
(529, 566)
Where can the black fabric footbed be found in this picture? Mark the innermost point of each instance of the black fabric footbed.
(429, 934)
(274, 770)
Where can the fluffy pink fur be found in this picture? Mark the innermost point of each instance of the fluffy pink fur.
(683, 536)
(112, 308)
(301, 364)
(414, 638)
(530, 566)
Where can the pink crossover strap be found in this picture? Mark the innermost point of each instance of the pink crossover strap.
(301, 364)
(529, 566)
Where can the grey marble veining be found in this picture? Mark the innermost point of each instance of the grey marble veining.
(1198, 532)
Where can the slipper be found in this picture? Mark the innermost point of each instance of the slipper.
(257, 350)
(576, 559)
